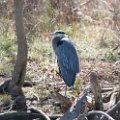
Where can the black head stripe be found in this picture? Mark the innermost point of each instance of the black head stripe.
(59, 32)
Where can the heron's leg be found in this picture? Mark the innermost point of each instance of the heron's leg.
(65, 90)
(73, 89)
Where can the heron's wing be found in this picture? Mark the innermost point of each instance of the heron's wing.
(67, 57)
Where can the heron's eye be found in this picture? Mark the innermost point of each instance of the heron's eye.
(59, 43)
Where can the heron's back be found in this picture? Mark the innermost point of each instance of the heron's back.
(68, 61)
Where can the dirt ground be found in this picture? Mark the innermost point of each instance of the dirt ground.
(43, 81)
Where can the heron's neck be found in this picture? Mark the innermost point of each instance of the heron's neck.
(55, 42)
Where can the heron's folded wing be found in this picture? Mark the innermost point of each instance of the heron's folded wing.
(67, 57)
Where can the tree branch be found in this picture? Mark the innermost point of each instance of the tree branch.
(91, 113)
(78, 108)
(23, 115)
(83, 4)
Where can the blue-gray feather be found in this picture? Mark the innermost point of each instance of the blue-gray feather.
(67, 59)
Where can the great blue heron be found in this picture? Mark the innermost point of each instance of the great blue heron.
(67, 57)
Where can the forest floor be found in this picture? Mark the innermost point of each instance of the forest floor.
(40, 83)
(42, 77)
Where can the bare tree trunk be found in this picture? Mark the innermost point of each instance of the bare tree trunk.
(21, 60)
(14, 86)
(96, 89)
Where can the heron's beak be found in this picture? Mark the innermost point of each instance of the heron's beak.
(47, 34)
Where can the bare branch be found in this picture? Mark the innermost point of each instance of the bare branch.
(22, 116)
(83, 4)
(77, 109)
(91, 113)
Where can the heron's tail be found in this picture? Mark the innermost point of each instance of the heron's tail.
(69, 78)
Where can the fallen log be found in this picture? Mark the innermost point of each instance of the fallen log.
(23, 116)
(19, 116)
(78, 109)
(93, 115)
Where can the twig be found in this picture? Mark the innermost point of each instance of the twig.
(106, 89)
(116, 47)
(82, 4)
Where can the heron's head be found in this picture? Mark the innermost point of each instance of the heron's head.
(60, 34)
